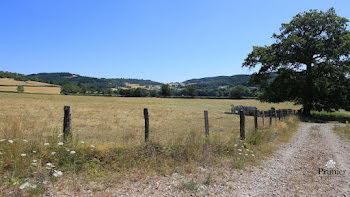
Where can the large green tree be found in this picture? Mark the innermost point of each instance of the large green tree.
(311, 56)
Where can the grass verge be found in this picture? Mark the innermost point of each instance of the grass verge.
(343, 132)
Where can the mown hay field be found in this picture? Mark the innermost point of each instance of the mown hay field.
(10, 85)
(119, 122)
(9, 81)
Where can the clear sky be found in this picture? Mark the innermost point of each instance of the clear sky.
(161, 40)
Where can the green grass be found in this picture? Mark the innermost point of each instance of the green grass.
(337, 113)
(343, 132)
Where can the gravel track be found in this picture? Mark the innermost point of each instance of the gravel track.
(292, 171)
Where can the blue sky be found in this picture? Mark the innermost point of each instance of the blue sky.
(161, 40)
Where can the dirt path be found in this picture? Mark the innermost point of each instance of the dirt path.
(292, 171)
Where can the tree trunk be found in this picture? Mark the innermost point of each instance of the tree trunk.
(307, 109)
(308, 92)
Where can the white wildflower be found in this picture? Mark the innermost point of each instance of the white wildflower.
(60, 143)
(240, 153)
(240, 150)
(2, 140)
(236, 145)
(248, 149)
(45, 182)
(72, 152)
(24, 185)
(253, 155)
(34, 151)
(34, 164)
(53, 153)
(50, 165)
(57, 173)
(10, 141)
(67, 149)
(23, 155)
(25, 140)
(246, 154)
(34, 161)
(60, 135)
(92, 146)
(0, 153)
(82, 142)
(46, 144)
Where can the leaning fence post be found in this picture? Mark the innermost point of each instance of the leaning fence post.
(256, 119)
(263, 117)
(242, 124)
(206, 123)
(145, 113)
(270, 113)
(67, 123)
(275, 112)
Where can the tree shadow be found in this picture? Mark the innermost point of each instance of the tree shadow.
(318, 118)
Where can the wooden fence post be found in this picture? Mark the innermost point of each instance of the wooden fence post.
(279, 114)
(256, 119)
(242, 124)
(145, 113)
(206, 123)
(275, 113)
(67, 123)
(270, 114)
(263, 117)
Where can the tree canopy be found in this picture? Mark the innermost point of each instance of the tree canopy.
(311, 56)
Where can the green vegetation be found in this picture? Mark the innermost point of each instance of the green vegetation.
(20, 89)
(311, 56)
(165, 90)
(90, 81)
(342, 131)
(238, 92)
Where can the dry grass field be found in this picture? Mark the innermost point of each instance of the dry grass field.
(118, 121)
(108, 139)
(10, 85)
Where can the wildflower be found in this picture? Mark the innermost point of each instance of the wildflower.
(34, 151)
(34, 161)
(246, 154)
(34, 164)
(45, 182)
(253, 155)
(53, 153)
(240, 153)
(60, 135)
(67, 149)
(2, 140)
(46, 144)
(50, 165)
(23, 155)
(10, 141)
(0, 153)
(236, 145)
(57, 173)
(24, 185)
(82, 142)
(72, 152)
(25, 140)
(240, 150)
(248, 149)
(92, 146)
(60, 143)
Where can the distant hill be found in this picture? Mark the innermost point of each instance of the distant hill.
(220, 81)
(91, 81)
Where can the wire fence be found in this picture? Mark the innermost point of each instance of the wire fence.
(127, 129)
